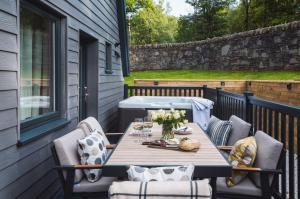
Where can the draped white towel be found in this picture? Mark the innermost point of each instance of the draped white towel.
(201, 111)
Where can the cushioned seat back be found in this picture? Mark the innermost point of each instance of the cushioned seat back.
(240, 130)
(89, 125)
(268, 154)
(66, 149)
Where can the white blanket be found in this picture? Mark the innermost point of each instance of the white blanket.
(162, 190)
(201, 111)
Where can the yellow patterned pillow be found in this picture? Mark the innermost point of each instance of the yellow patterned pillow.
(242, 155)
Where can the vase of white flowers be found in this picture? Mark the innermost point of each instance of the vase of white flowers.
(169, 119)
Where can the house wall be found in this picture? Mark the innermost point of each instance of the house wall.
(26, 171)
(272, 48)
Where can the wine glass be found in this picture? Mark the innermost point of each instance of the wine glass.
(138, 127)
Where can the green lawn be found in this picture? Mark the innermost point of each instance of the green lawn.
(213, 75)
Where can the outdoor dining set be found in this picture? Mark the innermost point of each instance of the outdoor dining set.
(165, 156)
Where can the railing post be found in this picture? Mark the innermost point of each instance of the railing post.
(125, 91)
(204, 91)
(247, 107)
(218, 103)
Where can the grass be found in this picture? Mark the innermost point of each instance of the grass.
(213, 75)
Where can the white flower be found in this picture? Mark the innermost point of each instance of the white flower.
(176, 116)
(185, 121)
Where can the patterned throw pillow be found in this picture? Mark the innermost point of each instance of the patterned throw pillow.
(219, 131)
(180, 173)
(92, 151)
(242, 154)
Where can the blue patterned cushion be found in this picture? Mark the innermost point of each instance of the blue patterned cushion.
(219, 131)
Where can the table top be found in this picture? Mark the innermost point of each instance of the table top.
(207, 160)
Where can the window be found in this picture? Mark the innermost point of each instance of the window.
(38, 60)
(108, 58)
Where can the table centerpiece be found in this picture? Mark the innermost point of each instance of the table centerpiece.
(169, 119)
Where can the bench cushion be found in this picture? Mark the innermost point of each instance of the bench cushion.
(245, 187)
(89, 125)
(66, 149)
(268, 154)
(162, 190)
(240, 129)
(101, 185)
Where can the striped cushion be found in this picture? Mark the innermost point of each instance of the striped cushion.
(219, 131)
(163, 190)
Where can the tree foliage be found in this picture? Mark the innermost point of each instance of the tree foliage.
(150, 23)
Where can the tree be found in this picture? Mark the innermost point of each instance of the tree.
(150, 23)
(209, 20)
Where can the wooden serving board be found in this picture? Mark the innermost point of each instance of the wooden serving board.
(170, 148)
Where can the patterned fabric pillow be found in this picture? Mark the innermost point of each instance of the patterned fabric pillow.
(219, 131)
(242, 154)
(92, 151)
(180, 173)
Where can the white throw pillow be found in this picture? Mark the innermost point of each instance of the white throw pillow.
(143, 174)
(92, 150)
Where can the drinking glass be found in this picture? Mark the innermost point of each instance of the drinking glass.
(138, 131)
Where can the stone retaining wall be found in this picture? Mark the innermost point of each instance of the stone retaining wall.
(287, 92)
(272, 48)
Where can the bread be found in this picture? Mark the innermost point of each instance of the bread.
(188, 144)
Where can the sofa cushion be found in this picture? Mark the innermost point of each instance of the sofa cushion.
(242, 155)
(92, 151)
(219, 131)
(89, 125)
(179, 173)
(245, 187)
(240, 130)
(101, 185)
(268, 154)
(161, 190)
(66, 149)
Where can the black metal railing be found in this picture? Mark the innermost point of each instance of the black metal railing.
(278, 120)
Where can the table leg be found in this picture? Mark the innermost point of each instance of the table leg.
(213, 184)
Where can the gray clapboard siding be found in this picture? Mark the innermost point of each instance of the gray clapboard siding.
(51, 191)
(73, 45)
(73, 90)
(8, 118)
(8, 80)
(8, 99)
(73, 68)
(9, 6)
(73, 79)
(111, 15)
(73, 33)
(8, 22)
(9, 61)
(8, 42)
(99, 19)
(10, 137)
(73, 102)
(73, 56)
(94, 13)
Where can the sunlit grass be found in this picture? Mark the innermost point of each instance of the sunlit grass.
(213, 75)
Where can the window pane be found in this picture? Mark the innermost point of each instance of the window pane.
(37, 44)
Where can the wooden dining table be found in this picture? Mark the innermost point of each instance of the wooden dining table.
(208, 161)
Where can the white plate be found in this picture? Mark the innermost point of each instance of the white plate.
(183, 131)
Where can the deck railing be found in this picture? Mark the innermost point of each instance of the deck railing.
(278, 120)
